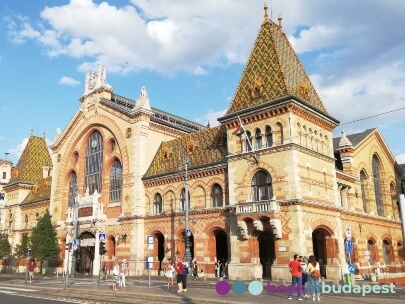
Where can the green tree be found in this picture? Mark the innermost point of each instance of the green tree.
(43, 239)
(20, 250)
(5, 247)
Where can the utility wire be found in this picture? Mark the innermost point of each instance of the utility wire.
(346, 123)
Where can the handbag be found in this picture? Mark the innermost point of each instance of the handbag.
(316, 274)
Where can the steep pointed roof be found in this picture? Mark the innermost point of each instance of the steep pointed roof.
(41, 191)
(273, 70)
(207, 147)
(30, 165)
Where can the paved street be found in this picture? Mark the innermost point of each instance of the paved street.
(138, 291)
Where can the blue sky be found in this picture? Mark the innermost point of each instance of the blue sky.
(190, 55)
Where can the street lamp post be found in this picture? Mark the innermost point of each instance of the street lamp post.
(186, 213)
(75, 232)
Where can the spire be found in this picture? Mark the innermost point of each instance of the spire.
(273, 71)
(344, 141)
(266, 16)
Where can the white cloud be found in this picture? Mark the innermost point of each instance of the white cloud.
(210, 117)
(199, 71)
(68, 81)
(17, 151)
(400, 158)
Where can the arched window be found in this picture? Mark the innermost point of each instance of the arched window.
(387, 252)
(216, 196)
(94, 163)
(258, 137)
(116, 182)
(36, 219)
(183, 200)
(72, 189)
(280, 126)
(363, 180)
(395, 213)
(399, 252)
(261, 186)
(377, 185)
(26, 220)
(248, 141)
(269, 137)
(157, 204)
(371, 247)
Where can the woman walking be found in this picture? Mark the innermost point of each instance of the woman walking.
(195, 270)
(169, 274)
(314, 274)
(116, 274)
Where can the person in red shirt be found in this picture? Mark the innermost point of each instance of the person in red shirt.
(179, 269)
(296, 273)
(31, 269)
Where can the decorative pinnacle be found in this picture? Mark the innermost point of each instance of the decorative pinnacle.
(266, 16)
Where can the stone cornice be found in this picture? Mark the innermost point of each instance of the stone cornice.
(18, 185)
(43, 201)
(345, 176)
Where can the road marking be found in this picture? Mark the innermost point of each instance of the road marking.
(16, 289)
(8, 292)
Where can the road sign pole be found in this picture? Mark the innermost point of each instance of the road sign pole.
(67, 267)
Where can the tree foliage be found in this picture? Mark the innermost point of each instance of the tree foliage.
(20, 250)
(5, 247)
(44, 240)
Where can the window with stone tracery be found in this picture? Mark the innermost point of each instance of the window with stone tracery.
(269, 137)
(94, 163)
(377, 185)
(258, 137)
(72, 189)
(116, 182)
(157, 204)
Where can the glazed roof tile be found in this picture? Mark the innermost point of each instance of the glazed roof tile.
(30, 165)
(208, 148)
(274, 69)
(40, 191)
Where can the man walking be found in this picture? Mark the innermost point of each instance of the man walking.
(296, 274)
(123, 273)
(185, 273)
(179, 269)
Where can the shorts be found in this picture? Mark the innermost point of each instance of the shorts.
(115, 278)
(179, 278)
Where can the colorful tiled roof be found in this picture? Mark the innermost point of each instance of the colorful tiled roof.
(207, 147)
(30, 165)
(40, 191)
(273, 70)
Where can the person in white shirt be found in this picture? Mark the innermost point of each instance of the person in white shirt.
(123, 273)
(304, 276)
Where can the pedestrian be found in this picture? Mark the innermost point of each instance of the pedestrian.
(116, 274)
(179, 270)
(218, 269)
(314, 273)
(296, 277)
(185, 273)
(195, 270)
(123, 273)
(31, 269)
(104, 270)
(169, 274)
(304, 276)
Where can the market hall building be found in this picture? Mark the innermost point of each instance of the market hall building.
(279, 186)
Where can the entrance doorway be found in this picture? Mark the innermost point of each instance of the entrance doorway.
(85, 253)
(321, 240)
(160, 249)
(267, 252)
(221, 245)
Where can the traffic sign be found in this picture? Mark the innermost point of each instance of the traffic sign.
(76, 242)
(349, 246)
(351, 268)
(366, 254)
(150, 239)
(74, 247)
(101, 237)
(348, 232)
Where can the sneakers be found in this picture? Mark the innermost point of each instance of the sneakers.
(185, 289)
(319, 298)
(289, 298)
(313, 298)
(306, 296)
(179, 290)
(300, 299)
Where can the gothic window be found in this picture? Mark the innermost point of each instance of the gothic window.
(371, 247)
(387, 252)
(216, 196)
(116, 182)
(363, 179)
(36, 219)
(258, 136)
(248, 141)
(94, 163)
(72, 189)
(26, 220)
(183, 200)
(377, 185)
(157, 204)
(261, 186)
(269, 137)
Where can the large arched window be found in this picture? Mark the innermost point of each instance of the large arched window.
(377, 185)
(216, 196)
(183, 200)
(248, 141)
(157, 204)
(261, 186)
(94, 163)
(372, 249)
(363, 180)
(72, 189)
(280, 127)
(116, 182)
(258, 136)
(269, 137)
